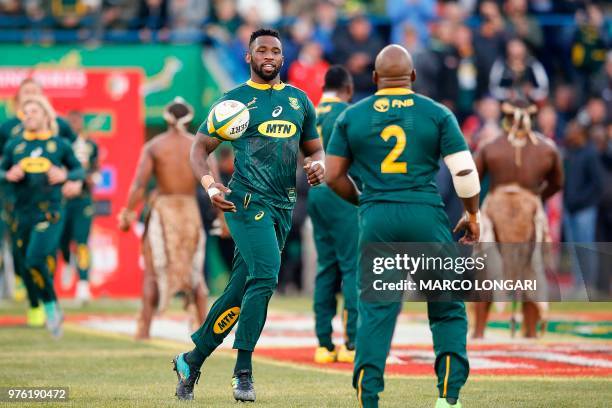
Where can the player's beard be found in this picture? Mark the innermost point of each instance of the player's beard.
(260, 72)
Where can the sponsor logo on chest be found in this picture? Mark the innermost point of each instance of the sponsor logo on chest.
(35, 163)
(277, 128)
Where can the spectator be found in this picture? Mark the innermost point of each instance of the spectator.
(489, 43)
(565, 106)
(326, 19)
(604, 216)
(452, 12)
(72, 14)
(187, 17)
(308, 71)
(237, 48)
(11, 8)
(267, 12)
(547, 123)
(152, 20)
(604, 83)
(300, 32)
(117, 14)
(482, 126)
(13, 14)
(419, 13)
(437, 68)
(37, 15)
(594, 113)
(521, 25)
(519, 75)
(225, 20)
(582, 192)
(411, 41)
(357, 47)
(467, 71)
(589, 46)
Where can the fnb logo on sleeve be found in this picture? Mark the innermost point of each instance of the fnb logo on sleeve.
(277, 128)
(226, 320)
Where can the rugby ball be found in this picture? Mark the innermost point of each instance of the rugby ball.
(228, 120)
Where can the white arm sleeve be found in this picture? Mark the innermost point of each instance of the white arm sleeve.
(467, 185)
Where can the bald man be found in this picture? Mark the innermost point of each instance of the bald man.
(393, 140)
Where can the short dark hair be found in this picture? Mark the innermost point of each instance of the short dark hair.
(263, 32)
(178, 110)
(336, 78)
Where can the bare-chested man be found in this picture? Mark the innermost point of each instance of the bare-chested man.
(525, 170)
(173, 245)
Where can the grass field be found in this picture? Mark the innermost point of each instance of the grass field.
(105, 370)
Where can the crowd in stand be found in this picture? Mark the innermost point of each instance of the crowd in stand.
(469, 55)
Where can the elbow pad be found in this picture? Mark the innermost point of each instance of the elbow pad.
(467, 185)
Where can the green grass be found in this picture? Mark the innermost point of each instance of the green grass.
(115, 371)
(294, 304)
(112, 371)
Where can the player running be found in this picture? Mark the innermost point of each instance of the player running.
(258, 206)
(173, 245)
(34, 164)
(11, 128)
(335, 227)
(80, 210)
(393, 140)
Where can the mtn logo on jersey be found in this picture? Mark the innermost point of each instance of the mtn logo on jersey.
(226, 320)
(383, 104)
(35, 163)
(277, 128)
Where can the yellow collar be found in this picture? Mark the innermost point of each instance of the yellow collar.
(29, 136)
(327, 99)
(263, 87)
(395, 91)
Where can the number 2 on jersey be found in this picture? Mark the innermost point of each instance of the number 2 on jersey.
(389, 164)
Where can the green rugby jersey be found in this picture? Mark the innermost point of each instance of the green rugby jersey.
(86, 151)
(395, 139)
(328, 110)
(281, 118)
(36, 154)
(13, 127)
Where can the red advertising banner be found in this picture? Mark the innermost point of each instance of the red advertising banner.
(111, 103)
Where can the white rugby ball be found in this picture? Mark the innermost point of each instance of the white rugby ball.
(228, 119)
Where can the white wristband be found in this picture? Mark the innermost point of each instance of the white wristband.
(213, 191)
(472, 217)
(319, 162)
